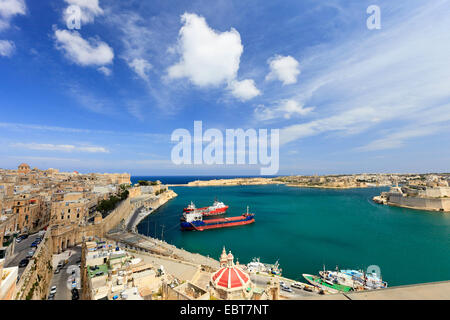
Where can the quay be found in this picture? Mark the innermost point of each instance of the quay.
(424, 291)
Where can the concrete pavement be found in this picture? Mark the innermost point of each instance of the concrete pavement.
(20, 252)
(261, 280)
(71, 271)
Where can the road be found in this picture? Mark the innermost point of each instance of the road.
(297, 294)
(63, 279)
(20, 252)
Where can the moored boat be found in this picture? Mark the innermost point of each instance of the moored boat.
(370, 281)
(358, 280)
(194, 221)
(326, 285)
(217, 208)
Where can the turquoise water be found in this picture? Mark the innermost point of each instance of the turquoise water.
(307, 228)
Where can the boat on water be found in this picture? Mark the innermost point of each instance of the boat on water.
(257, 266)
(356, 279)
(326, 285)
(194, 221)
(217, 208)
(370, 281)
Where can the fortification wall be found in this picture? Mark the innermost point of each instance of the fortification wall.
(70, 235)
(434, 204)
(36, 278)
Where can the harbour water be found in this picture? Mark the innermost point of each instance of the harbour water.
(307, 228)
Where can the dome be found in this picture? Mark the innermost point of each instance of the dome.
(230, 278)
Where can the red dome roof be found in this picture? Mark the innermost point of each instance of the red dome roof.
(230, 278)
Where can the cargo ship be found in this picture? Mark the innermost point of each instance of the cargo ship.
(194, 221)
(216, 209)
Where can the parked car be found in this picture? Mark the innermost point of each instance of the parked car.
(34, 245)
(51, 297)
(53, 290)
(56, 271)
(75, 294)
(285, 288)
(297, 285)
(19, 239)
(23, 263)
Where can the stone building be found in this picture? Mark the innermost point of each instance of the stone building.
(70, 211)
(8, 279)
(23, 168)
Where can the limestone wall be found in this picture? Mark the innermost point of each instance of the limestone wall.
(36, 278)
(434, 204)
(435, 192)
(64, 236)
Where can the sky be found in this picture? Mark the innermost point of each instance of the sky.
(106, 97)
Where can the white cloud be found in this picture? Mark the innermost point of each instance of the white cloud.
(9, 9)
(284, 109)
(244, 90)
(283, 68)
(395, 77)
(83, 52)
(141, 67)
(7, 48)
(208, 57)
(61, 147)
(106, 71)
(89, 9)
(397, 139)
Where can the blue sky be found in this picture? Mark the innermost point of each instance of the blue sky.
(108, 96)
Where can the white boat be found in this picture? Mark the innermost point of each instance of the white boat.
(358, 280)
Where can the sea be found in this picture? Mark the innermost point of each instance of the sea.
(307, 229)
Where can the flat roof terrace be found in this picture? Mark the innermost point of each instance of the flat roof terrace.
(94, 271)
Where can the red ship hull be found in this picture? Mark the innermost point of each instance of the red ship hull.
(216, 212)
(207, 212)
(221, 223)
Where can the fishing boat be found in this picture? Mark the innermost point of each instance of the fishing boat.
(257, 266)
(338, 277)
(370, 281)
(194, 221)
(358, 280)
(326, 285)
(217, 208)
